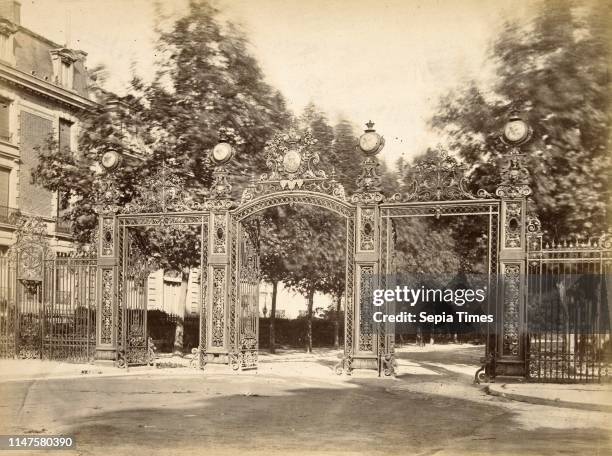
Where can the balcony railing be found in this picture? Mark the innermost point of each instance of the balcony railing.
(9, 215)
(63, 226)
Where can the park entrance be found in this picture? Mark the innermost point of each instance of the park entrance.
(94, 305)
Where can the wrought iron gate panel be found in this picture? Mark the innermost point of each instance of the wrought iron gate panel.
(8, 308)
(133, 268)
(29, 322)
(248, 297)
(69, 309)
(568, 312)
(135, 272)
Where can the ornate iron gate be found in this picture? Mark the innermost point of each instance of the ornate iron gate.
(125, 268)
(438, 191)
(228, 324)
(135, 342)
(248, 299)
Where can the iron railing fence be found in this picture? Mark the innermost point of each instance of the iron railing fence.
(568, 313)
(8, 308)
(54, 320)
(69, 309)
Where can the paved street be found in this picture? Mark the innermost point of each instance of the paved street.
(293, 407)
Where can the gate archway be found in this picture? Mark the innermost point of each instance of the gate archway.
(293, 179)
(229, 264)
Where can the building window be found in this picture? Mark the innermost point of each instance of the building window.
(5, 130)
(67, 74)
(65, 134)
(63, 66)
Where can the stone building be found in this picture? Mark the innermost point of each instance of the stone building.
(43, 92)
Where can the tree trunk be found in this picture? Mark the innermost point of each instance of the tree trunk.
(337, 322)
(309, 322)
(179, 333)
(273, 317)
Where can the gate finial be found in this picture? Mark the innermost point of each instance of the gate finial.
(368, 182)
(514, 175)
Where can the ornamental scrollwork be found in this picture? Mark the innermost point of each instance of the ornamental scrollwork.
(108, 236)
(106, 334)
(29, 251)
(220, 194)
(367, 226)
(219, 234)
(108, 197)
(514, 177)
(438, 177)
(511, 309)
(366, 328)
(512, 225)
(163, 191)
(368, 184)
(534, 232)
(218, 307)
(293, 167)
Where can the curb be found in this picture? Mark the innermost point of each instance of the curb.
(549, 402)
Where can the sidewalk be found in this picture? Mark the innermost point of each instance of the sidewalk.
(595, 397)
(287, 363)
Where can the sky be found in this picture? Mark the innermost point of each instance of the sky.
(387, 61)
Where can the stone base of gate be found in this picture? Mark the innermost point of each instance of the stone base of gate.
(106, 355)
(364, 363)
(217, 358)
(510, 368)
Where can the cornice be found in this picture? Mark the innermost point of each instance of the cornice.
(45, 89)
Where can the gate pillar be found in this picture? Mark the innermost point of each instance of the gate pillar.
(107, 318)
(510, 350)
(218, 305)
(370, 343)
(220, 312)
(108, 322)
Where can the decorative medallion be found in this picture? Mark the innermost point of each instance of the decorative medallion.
(292, 161)
(512, 225)
(367, 229)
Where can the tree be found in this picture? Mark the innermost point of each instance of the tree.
(346, 155)
(275, 246)
(207, 87)
(317, 266)
(556, 69)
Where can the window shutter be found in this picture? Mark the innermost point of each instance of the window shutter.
(4, 119)
(4, 187)
(64, 135)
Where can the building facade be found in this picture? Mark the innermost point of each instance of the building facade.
(43, 93)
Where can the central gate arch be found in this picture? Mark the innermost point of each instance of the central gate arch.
(244, 351)
(294, 178)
